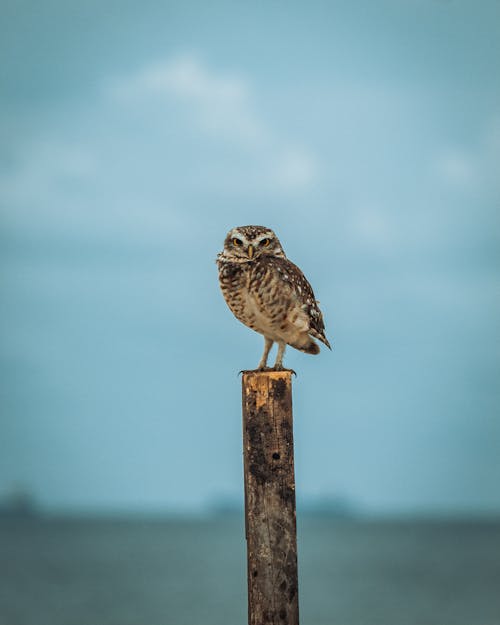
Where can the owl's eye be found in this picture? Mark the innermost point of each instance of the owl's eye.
(265, 242)
(237, 242)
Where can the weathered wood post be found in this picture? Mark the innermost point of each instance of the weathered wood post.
(270, 498)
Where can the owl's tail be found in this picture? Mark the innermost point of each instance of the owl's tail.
(307, 345)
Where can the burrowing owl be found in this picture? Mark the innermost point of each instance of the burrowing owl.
(268, 293)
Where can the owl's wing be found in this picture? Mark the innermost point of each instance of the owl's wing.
(306, 316)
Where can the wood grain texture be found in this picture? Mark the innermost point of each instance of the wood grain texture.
(270, 498)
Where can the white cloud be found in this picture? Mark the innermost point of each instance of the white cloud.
(224, 102)
(45, 164)
(223, 107)
(457, 167)
(58, 188)
(476, 167)
(373, 229)
(220, 103)
(295, 168)
(492, 150)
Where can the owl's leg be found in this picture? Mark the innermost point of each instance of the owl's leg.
(267, 348)
(278, 365)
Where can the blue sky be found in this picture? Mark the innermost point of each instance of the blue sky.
(135, 136)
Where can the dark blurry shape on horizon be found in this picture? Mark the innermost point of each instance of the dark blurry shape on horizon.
(19, 505)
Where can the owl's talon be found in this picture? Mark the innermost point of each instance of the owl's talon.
(257, 370)
(281, 368)
(264, 369)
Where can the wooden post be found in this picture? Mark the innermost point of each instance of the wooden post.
(270, 498)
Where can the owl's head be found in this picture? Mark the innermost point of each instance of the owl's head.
(245, 243)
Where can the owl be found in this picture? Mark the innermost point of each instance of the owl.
(268, 293)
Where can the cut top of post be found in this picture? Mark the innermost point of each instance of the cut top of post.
(268, 385)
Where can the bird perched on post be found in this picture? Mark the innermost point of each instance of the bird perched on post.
(268, 293)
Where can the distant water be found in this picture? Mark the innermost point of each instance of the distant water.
(193, 573)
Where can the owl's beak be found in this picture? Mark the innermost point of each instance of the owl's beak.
(250, 251)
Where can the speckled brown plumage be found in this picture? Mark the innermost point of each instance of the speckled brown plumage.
(268, 293)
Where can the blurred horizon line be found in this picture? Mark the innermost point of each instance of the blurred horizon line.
(328, 508)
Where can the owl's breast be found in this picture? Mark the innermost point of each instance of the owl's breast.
(251, 294)
(233, 281)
